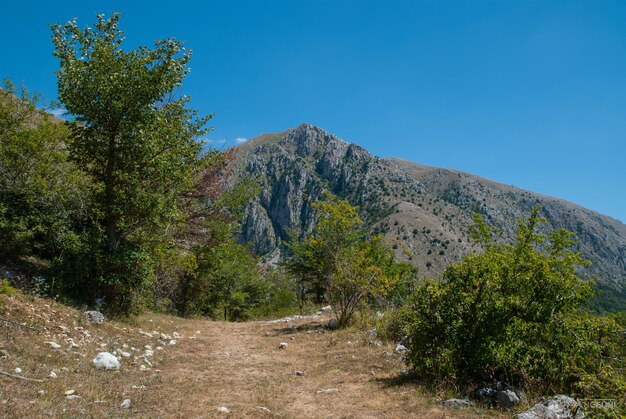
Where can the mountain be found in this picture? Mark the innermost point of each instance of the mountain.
(424, 211)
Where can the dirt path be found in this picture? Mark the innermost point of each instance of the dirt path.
(174, 367)
(240, 367)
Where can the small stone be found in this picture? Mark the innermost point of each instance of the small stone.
(223, 409)
(125, 354)
(560, 406)
(72, 397)
(457, 403)
(327, 390)
(69, 392)
(264, 409)
(283, 345)
(142, 367)
(326, 309)
(65, 369)
(54, 345)
(300, 373)
(107, 361)
(52, 374)
(508, 398)
(42, 392)
(125, 404)
(18, 370)
(401, 349)
(333, 324)
(94, 317)
(172, 342)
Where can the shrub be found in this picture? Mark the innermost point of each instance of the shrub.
(510, 313)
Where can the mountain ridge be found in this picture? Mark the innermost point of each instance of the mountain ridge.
(423, 211)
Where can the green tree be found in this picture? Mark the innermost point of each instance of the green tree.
(41, 191)
(315, 259)
(136, 141)
(341, 264)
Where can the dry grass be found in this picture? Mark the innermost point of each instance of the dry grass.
(234, 365)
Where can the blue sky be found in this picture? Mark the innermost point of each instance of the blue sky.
(529, 93)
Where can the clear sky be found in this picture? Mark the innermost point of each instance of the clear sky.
(529, 93)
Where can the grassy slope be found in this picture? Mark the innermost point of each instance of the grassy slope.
(237, 365)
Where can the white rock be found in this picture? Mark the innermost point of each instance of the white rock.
(69, 392)
(142, 367)
(327, 390)
(223, 409)
(326, 309)
(125, 354)
(54, 345)
(42, 392)
(107, 361)
(125, 404)
(52, 374)
(172, 342)
(282, 345)
(94, 317)
(300, 373)
(176, 335)
(18, 370)
(72, 397)
(401, 349)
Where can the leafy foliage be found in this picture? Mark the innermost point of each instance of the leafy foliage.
(41, 192)
(337, 261)
(509, 313)
(137, 143)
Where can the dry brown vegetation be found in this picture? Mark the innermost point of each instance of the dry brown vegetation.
(237, 366)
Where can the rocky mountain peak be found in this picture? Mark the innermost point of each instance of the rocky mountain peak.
(424, 211)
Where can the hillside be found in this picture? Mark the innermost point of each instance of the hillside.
(425, 212)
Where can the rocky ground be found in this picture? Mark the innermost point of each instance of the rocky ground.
(173, 367)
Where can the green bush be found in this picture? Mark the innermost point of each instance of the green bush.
(512, 313)
(6, 288)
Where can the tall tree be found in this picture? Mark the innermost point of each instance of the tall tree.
(133, 136)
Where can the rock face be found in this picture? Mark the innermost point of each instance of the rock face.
(107, 361)
(557, 407)
(425, 211)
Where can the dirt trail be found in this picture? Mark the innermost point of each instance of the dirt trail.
(239, 366)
